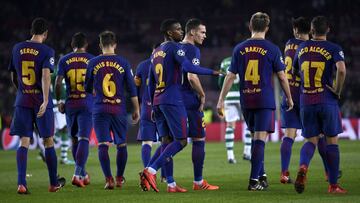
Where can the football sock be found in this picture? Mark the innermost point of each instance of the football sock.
(81, 157)
(333, 159)
(229, 142)
(145, 154)
(198, 156)
(256, 158)
(163, 169)
(21, 159)
(51, 162)
(121, 159)
(247, 143)
(306, 153)
(104, 159)
(157, 153)
(169, 171)
(74, 149)
(285, 151)
(322, 151)
(170, 151)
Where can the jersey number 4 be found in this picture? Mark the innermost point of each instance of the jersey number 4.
(252, 72)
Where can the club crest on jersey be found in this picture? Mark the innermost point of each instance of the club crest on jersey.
(52, 61)
(180, 52)
(196, 61)
(281, 59)
(341, 53)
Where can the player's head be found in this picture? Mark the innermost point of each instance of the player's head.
(79, 41)
(39, 26)
(196, 30)
(259, 22)
(107, 39)
(300, 26)
(171, 29)
(319, 26)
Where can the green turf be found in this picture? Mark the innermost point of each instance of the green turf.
(232, 179)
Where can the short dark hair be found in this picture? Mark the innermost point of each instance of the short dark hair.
(192, 23)
(302, 24)
(78, 40)
(39, 26)
(107, 38)
(320, 25)
(167, 24)
(259, 21)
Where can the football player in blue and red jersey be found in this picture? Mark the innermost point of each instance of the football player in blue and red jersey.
(168, 62)
(108, 76)
(78, 104)
(30, 66)
(255, 60)
(194, 100)
(316, 60)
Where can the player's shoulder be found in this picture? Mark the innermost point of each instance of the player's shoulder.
(333, 45)
(294, 41)
(144, 63)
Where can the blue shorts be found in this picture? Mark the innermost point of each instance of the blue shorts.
(290, 119)
(79, 122)
(196, 123)
(320, 118)
(105, 122)
(147, 131)
(171, 121)
(260, 120)
(24, 120)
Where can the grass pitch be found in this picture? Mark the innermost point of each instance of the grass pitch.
(232, 179)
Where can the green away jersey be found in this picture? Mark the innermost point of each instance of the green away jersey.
(233, 95)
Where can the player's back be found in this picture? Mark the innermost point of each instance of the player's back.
(168, 74)
(142, 74)
(190, 97)
(28, 60)
(255, 60)
(73, 68)
(110, 76)
(316, 60)
(294, 80)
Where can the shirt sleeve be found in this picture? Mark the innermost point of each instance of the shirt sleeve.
(89, 78)
(49, 60)
(234, 62)
(295, 65)
(138, 76)
(60, 68)
(129, 79)
(338, 54)
(278, 63)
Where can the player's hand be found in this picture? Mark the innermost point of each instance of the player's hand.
(61, 107)
(135, 117)
(220, 108)
(202, 103)
(332, 89)
(290, 104)
(215, 72)
(42, 109)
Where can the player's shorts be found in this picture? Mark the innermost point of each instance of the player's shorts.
(105, 122)
(171, 120)
(79, 122)
(320, 118)
(260, 120)
(24, 120)
(147, 131)
(60, 119)
(232, 112)
(290, 119)
(196, 124)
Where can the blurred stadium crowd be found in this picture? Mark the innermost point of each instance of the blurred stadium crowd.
(136, 24)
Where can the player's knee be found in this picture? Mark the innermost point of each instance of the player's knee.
(48, 142)
(332, 140)
(313, 140)
(183, 142)
(25, 142)
(166, 139)
(147, 143)
(74, 140)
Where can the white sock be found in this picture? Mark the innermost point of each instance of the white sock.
(173, 184)
(199, 182)
(151, 170)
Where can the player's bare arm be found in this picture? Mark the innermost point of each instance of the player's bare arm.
(229, 80)
(45, 85)
(196, 85)
(285, 86)
(340, 78)
(135, 114)
(14, 79)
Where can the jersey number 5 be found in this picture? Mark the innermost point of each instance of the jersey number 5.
(28, 72)
(252, 72)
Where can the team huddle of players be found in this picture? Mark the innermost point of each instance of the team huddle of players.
(172, 101)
